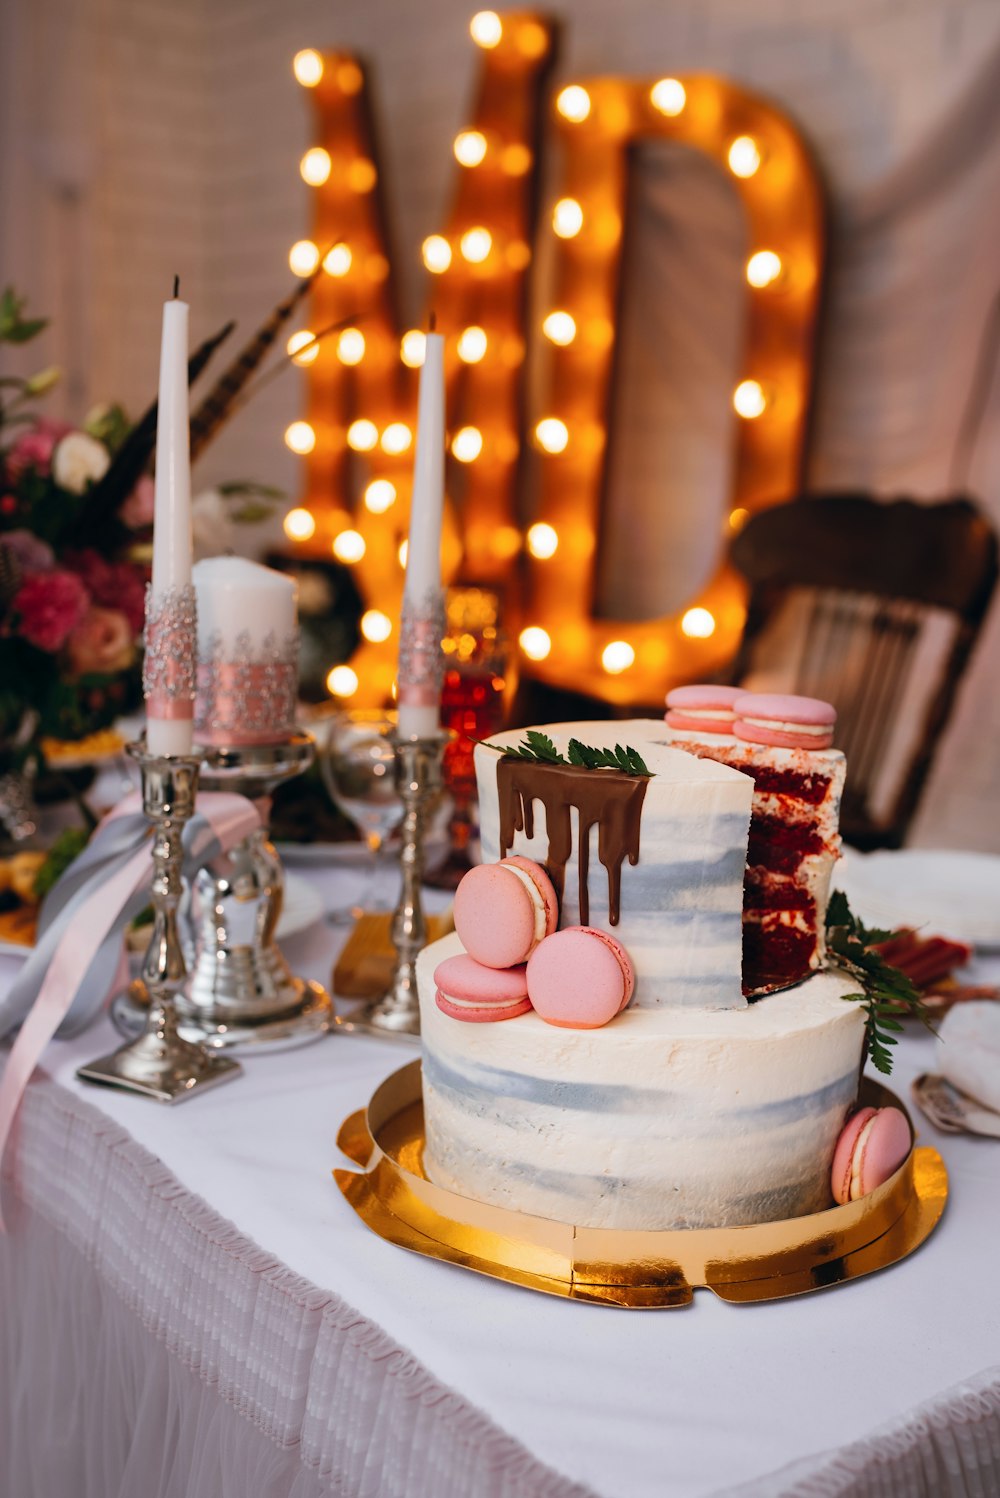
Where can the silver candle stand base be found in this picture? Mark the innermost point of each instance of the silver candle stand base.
(160, 1063)
(242, 994)
(418, 778)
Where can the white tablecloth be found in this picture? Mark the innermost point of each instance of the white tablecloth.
(189, 1307)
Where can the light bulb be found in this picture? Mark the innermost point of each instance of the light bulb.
(376, 626)
(486, 28)
(437, 253)
(573, 103)
(299, 525)
(315, 166)
(668, 96)
(351, 346)
(472, 345)
(342, 682)
(749, 400)
(300, 437)
(567, 218)
(403, 553)
(349, 546)
(338, 260)
(349, 77)
(302, 346)
(552, 434)
(535, 642)
(307, 66)
(698, 624)
(380, 496)
(412, 348)
(532, 39)
(543, 541)
(560, 327)
(515, 160)
(744, 156)
(362, 435)
(467, 444)
(469, 147)
(476, 245)
(361, 174)
(738, 518)
(617, 657)
(396, 438)
(303, 257)
(763, 268)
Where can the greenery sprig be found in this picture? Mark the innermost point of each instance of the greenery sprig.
(539, 748)
(888, 996)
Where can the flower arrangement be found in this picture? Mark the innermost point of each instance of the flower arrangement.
(71, 614)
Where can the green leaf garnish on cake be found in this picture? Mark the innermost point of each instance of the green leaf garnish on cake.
(888, 997)
(539, 748)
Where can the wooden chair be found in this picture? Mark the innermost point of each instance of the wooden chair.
(874, 607)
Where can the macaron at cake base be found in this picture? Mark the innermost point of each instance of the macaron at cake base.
(873, 1145)
(503, 910)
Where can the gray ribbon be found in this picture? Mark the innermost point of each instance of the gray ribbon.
(111, 847)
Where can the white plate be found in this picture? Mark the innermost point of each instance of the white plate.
(941, 892)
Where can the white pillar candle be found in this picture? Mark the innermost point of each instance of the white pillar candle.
(419, 677)
(169, 676)
(247, 652)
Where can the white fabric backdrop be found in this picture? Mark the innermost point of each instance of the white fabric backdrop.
(139, 137)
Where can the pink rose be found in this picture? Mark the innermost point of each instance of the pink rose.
(50, 605)
(34, 449)
(102, 643)
(114, 585)
(137, 511)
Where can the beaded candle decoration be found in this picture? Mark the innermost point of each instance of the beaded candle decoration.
(248, 646)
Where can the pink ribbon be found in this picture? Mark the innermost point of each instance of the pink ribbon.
(230, 818)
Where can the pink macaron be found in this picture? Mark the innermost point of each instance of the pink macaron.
(872, 1146)
(467, 990)
(580, 978)
(786, 721)
(702, 709)
(503, 910)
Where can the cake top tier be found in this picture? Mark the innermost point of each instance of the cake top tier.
(672, 845)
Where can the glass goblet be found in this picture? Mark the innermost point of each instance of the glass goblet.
(358, 765)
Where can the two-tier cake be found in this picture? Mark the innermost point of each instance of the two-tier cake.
(693, 1107)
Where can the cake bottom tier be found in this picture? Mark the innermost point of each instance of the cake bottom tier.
(666, 1118)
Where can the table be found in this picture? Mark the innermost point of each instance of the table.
(191, 1308)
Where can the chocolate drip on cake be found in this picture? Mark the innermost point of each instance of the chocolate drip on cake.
(607, 798)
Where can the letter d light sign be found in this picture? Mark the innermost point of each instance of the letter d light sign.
(362, 386)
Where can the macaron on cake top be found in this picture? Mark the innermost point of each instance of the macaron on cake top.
(873, 1145)
(783, 720)
(503, 910)
(702, 709)
(580, 978)
(468, 991)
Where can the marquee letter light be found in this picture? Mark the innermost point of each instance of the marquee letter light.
(358, 436)
(628, 661)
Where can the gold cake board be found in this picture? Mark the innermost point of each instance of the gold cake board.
(608, 1266)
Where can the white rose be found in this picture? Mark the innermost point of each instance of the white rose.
(211, 524)
(79, 460)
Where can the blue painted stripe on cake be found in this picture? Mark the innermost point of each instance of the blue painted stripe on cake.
(595, 1097)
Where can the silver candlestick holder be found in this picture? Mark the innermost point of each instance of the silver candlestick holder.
(159, 1062)
(242, 993)
(418, 780)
